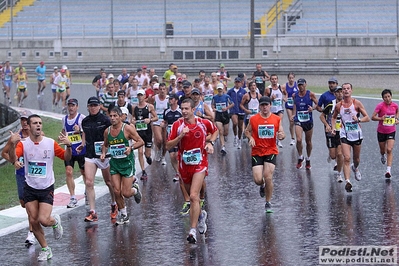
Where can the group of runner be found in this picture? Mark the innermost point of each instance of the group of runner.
(185, 119)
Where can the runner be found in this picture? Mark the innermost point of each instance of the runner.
(38, 153)
(93, 127)
(21, 79)
(61, 83)
(69, 81)
(72, 128)
(260, 77)
(7, 73)
(262, 130)
(236, 113)
(291, 87)
(387, 114)
(221, 104)
(117, 138)
(333, 140)
(190, 134)
(161, 104)
(143, 114)
(201, 109)
(54, 87)
(303, 118)
(351, 132)
(41, 78)
(108, 98)
(250, 102)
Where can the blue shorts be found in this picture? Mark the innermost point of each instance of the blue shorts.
(7, 83)
(20, 185)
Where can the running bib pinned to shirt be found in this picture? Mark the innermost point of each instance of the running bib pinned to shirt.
(117, 151)
(303, 116)
(192, 157)
(134, 100)
(389, 120)
(141, 125)
(74, 138)
(351, 127)
(98, 146)
(266, 131)
(37, 169)
(220, 106)
(290, 102)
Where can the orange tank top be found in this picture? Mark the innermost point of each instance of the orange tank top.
(264, 132)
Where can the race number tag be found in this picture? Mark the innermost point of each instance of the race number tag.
(117, 151)
(134, 100)
(389, 120)
(277, 102)
(208, 98)
(303, 116)
(74, 138)
(253, 110)
(98, 145)
(351, 127)
(192, 157)
(22, 84)
(220, 106)
(266, 131)
(140, 125)
(290, 102)
(37, 169)
(160, 118)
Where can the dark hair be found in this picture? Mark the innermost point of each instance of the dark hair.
(385, 92)
(190, 101)
(32, 116)
(117, 81)
(274, 75)
(291, 73)
(162, 84)
(117, 110)
(250, 83)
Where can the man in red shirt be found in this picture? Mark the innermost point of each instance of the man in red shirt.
(262, 131)
(190, 133)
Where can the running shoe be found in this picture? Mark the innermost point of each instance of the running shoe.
(262, 191)
(92, 217)
(176, 178)
(279, 143)
(123, 219)
(339, 178)
(202, 203)
(143, 176)
(335, 167)
(388, 174)
(239, 144)
(192, 236)
(137, 196)
(329, 159)
(149, 160)
(223, 150)
(114, 211)
(292, 143)
(72, 203)
(299, 165)
(163, 161)
(9, 101)
(202, 222)
(30, 239)
(57, 228)
(45, 254)
(348, 186)
(158, 156)
(186, 208)
(268, 207)
(235, 141)
(356, 171)
(383, 158)
(38, 96)
(308, 166)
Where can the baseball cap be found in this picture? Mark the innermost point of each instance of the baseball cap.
(156, 86)
(42, 62)
(142, 92)
(240, 75)
(333, 79)
(73, 101)
(173, 96)
(93, 100)
(220, 86)
(179, 80)
(196, 91)
(155, 76)
(221, 65)
(338, 88)
(25, 114)
(55, 67)
(264, 100)
(186, 83)
(124, 110)
(172, 77)
(144, 67)
(301, 81)
(121, 92)
(237, 79)
(111, 76)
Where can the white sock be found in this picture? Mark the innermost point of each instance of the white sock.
(388, 169)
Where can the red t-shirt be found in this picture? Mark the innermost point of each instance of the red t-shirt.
(264, 132)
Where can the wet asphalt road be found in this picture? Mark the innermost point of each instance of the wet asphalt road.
(310, 209)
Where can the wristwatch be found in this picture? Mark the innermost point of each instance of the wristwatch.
(212, 142)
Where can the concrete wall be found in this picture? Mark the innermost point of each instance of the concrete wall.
(142, 49)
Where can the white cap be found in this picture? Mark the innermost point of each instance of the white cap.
(64, 67)
(111, 76)
(156, 86)
(124, 110)
(141, 92)
(172, 77)
(220, 86)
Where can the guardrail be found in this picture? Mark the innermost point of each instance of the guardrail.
(9, 121)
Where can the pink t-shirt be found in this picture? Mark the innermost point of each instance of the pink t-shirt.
(387, 125)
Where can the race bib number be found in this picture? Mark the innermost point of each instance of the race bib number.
(266, 131)
(290, 102)
(37, 169)
(98, 145)
(220, 106)
(303, 116)
(208, 98)
(140, 125)
(351, 127)
(160, 118)
(134, 100)
(253, 110)
(389, 121)
(192, 157)
(117, 151)
(258, 80)
(277, 102)
(22, 84)
(74, 138)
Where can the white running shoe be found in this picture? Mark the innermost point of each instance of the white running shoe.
(72, 203)
(45, 254)
(202, 222)
(239, 144)
(279, 143)
(339, 178)
(30, 239)
(192, 236)
(292, 143)
(356, 171)
(163, 161)
(57, 228)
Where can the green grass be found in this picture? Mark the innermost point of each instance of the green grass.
(8, 186)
